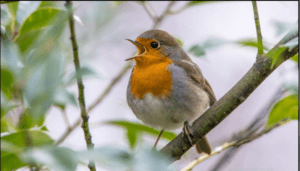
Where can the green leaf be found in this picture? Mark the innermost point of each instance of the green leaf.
(295, 58)
(6, 125)
(9, 55)
(142, 128)
(45, 4)
(193, 3)
(58, 158)
(276, 56)
(132, 137)
(13, 8)
(179, 41)
(25, 42)
(281, 26)
(39, 19)
(7, 79)
(25, 9)
(155, 161)
(6, 146)
(26, 122)
(250, 43)
(44, 128)
(287, 107)
(38, 138)
(42, 84)
(112, 157)
(10, 160)
(117, 3)
(214, 42)
(4, 105)
(5, 17)
(84, 72)
(116, 158)
(197, 50)
(63, 97)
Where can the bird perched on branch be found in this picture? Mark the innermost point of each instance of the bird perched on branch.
(166, 88)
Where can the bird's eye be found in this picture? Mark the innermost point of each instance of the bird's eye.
(154, 45)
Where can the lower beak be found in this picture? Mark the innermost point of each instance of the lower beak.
(131, 58)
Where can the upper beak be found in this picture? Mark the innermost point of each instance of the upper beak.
(139, 47)
(134, 42)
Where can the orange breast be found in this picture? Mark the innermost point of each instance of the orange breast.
(151, 76)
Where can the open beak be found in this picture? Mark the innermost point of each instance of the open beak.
(139, 47)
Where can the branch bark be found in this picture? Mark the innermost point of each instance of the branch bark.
(84, 115)
(253, 127)
(260, 70)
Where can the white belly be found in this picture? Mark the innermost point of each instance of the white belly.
(165, 113)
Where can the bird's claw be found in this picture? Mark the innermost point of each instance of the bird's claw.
(186, 131)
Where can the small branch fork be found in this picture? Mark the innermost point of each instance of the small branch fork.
(84, 115)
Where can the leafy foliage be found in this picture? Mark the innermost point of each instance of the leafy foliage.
(61, 158)
(14, 143)
(199, 50)
(135, 129)
(295, 58)
(287, 107)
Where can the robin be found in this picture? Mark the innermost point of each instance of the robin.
(166, 88)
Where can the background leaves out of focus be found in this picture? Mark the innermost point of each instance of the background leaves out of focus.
(39, 95)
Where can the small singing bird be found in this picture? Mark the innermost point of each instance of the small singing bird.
(166, 89)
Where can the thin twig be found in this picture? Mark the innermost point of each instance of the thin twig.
(233, 144)
(84, 115)
(255, 125)
(163, 15)
(68, 132)
(149, 11)
(114, 81)
(64, 114)
(258, 30)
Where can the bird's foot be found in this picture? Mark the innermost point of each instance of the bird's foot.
(186, 131)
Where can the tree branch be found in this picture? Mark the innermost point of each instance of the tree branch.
(115, 80)
(260, 70)
(256, 124)
(149, 11)
(84, 116)
(163, 15)
(234, 144)
(258, 31)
